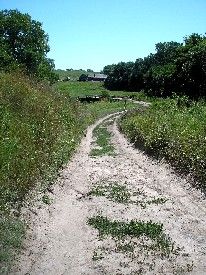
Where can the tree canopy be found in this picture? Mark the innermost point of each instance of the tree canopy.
(178, 68)
(24, 44)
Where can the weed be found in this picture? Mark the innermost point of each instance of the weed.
(102, 136)
(46, 199)
(121, 194)
(97, 255)
(120, 230)
(174, 132)
(157, 201)
(113, 191)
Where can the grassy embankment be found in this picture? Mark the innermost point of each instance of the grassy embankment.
(40, 129)
(171, 130)
(73, 74)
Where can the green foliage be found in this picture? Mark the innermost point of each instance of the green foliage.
(173, 129)
(83, 77)
(11, 235)
(108, 69)
(102, 136)
(24, 45)
(174, 68)
(90, 71)
(81, 89)
(113, 191)
(120, 230)
(118, 77)
(39, 131)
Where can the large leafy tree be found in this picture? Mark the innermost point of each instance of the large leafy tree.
(118, 75)
(178, 68)
(23, 43)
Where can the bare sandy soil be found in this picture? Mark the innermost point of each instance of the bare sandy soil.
(60, 241)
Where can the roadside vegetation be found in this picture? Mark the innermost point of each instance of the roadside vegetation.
(40, 129)
(173, 79)
(172, 130)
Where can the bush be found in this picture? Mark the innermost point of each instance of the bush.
(83, 77)
(172, 130)
(39, 131)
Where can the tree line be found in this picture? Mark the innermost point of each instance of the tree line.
(24, 46)
(178, 68)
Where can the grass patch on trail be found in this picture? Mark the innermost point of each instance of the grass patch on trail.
(173, 130)
(134, 229)
(40, 128)
(11, 234)
(102, 136)
(113, 191)
(120, 193)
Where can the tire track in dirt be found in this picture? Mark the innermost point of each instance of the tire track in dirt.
(60, 241)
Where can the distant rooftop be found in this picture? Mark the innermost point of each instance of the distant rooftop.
(94, 75)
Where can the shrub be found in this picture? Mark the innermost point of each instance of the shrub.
(39, 130)
(174, 131)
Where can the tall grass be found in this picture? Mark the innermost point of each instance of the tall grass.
(171, 129)
(39, 130)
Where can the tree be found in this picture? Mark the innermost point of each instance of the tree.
(23, 43)
(118, 75)
(83, 77)
(191, 66)
(108, 69)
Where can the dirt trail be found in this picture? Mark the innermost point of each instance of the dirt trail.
(60, 241)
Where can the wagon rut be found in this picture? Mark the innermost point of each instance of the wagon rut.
(60, 240)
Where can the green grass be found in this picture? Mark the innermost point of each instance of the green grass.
(75, 89)
(11, 234)
(74, 74)
(113, 191)
(102, 136)
(121, 194)
(39, 131)
(174, 131)
(134, 229)
(99, 109)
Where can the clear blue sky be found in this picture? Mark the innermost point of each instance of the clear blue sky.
(94, 33)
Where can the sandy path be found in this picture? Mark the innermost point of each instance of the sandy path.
(61, 241)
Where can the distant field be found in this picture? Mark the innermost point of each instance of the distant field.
(74, 75)
(75, 88)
